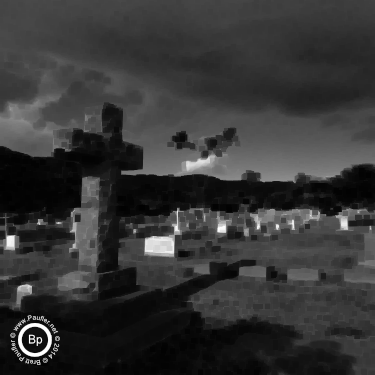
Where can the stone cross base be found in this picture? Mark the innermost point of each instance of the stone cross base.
(88, 286)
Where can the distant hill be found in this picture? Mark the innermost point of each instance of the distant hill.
(30, 184)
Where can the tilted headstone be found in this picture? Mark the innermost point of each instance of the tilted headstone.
(102, 154)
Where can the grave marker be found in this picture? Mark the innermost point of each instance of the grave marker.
(22, 291)
(102, 154)
(12, 243)
(160, 246)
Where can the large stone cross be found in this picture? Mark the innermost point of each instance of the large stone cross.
(102, 153)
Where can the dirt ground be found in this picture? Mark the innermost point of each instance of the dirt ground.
(328, 325)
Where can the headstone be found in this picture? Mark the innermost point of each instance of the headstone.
(315, 214)
(12, 243)
(263, 228)
(257, 220)
(211, 222)
(271, 227)
(22, 291)
(331, 223)
(285, 227)
(102, 153)
(356, 222)
(160, 246)
(184, 220)
(41, 222)
(343, 219)
(177, 225)
(298, 222)
(305, 214)
(222, 226)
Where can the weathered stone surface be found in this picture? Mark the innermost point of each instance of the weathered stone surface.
(102, 153)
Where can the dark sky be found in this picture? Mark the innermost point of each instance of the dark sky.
(295, 77)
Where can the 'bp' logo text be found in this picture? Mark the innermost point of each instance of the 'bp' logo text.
(34, 340)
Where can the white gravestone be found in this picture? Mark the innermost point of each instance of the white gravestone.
(160, 246)
(222, 224)
(177, 224)
(22, 291)
(343, 222)
(12, 243)
(41, 222)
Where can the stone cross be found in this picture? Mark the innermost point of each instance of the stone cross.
(102, 154)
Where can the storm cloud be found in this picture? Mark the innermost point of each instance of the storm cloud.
(302, 58)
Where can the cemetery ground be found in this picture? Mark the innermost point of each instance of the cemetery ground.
(244, 324)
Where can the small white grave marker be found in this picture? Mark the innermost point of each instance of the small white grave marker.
(12, 242)
(344, 225)
(160, 246)
(222, 227)
(177, 225)
(22, 291)
(41, 222)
